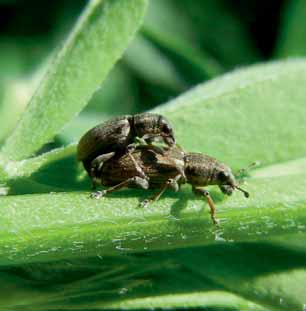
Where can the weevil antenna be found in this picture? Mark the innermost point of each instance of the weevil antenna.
(246, 194)
(246, 169)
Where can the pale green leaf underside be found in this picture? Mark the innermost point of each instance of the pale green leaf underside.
(212, 299)
(96, 43)
(254, 114)
(32, 225)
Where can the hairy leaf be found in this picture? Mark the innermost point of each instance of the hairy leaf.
(96, 43)
(256, 255)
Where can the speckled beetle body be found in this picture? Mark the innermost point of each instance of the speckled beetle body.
(117, 136)
(167, 170)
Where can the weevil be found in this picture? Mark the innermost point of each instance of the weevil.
(117, 136)
(169, 169)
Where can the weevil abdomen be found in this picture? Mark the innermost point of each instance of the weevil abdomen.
(157, 167)
(104, 137)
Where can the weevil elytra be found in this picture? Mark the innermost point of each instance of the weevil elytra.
(165, 170)
(117, 136)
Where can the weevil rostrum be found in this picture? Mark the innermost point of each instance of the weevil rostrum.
(117, 136)
(169, 169)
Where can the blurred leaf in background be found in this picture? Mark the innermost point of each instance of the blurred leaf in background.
(292, 32)
(166, 57)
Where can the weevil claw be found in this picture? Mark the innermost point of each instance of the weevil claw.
(145, 203)
(215, 220)
(98, 194)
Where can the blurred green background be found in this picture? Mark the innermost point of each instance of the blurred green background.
(181, 43)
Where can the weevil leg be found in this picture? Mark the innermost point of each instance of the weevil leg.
(145, 141)
(165, 139)
(148, 140)
(171, 182)
(96, 165)
(182, 173)
(99, 160)
(130, 148)
(141, 142)
(204, 192)
(133, 181)
(94, 183)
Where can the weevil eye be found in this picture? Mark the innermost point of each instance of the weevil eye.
(223, 176)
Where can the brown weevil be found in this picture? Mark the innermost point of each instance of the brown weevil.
(165, 170)
(117, 136)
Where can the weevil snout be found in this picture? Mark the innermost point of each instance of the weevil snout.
(228, 183)
(226, 189)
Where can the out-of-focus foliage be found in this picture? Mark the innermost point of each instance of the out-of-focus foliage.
(292, 33)
(59, 250)
(181, 43)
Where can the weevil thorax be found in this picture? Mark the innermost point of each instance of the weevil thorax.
(155, 124)
(203, 170)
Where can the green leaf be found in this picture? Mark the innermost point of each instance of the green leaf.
(264, 273)
(114, 225)
(96, 43)
(220, 30)
(208, 38)
(117, 95)
(240, 117)
(210, 300)
(225, 108)
(196, 64)
(291, 40)
(152, 65)
(129, 282)
(251, 114)
(79, 125)
(17, 92)
(178, 42)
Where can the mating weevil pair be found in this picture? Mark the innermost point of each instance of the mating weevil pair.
(113, 159)
(117, 137)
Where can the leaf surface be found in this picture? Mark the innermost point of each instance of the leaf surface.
(251, 114)
(98, 40)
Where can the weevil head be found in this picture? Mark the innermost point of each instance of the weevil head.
(227, 182)
(146, 124)
(203, 170)
(225, 179)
